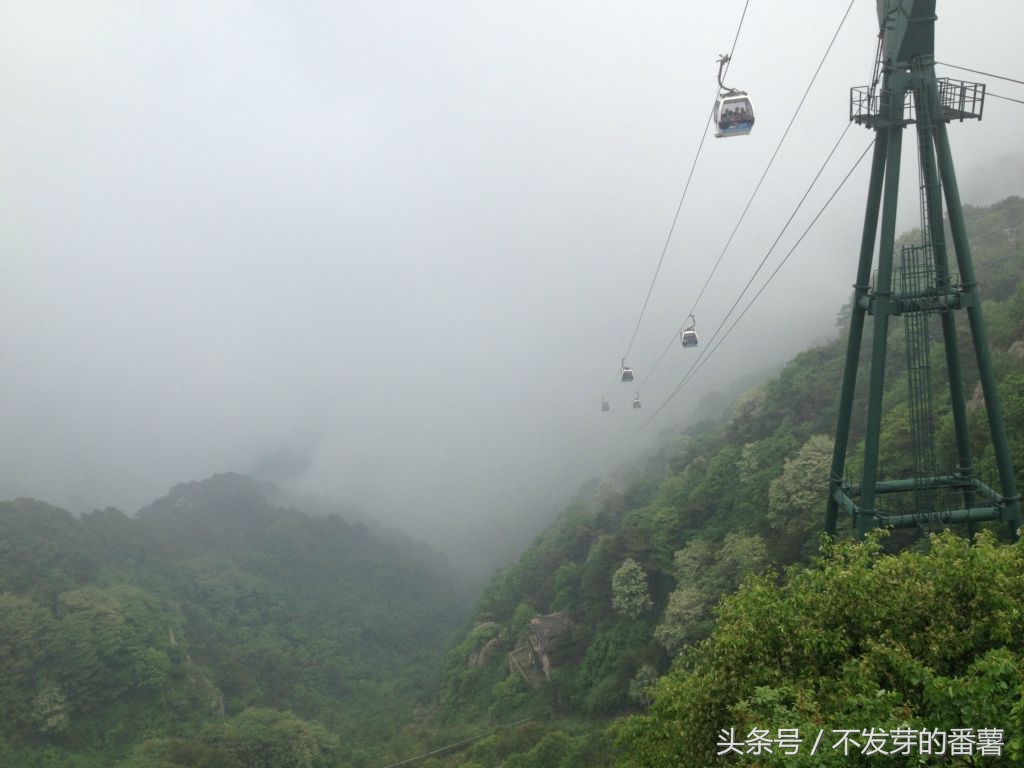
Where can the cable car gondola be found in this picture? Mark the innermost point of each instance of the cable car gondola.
(734, 112)
(688, 335)
(604, 405)
(636, 400)
(627, 372)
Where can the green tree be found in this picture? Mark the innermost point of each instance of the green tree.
(630, 596)
(705, 572)
(27, 634)
(268, 738)
(684, 616)
(921, 640)
(114, 639)
(178, 753)
(796, 497)
(610, 505)
(567, 587)
(50, 711)
(641, 687)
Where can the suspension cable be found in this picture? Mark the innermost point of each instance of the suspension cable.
(672, 229)
(686, 188)
(743, 215)
(1004, 98)
(460, 743)
(988, 74)
(979, 72)
(664, 250)
(705, 350)
(694, 370)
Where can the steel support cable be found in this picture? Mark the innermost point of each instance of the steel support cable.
(696, 368)
(760, 266)
(707, 348)
(757, 188)
(460, 743)
(988, 74)
(679, 208)
(979, 72)
(1004, 98)
(664, 250)
(672, 229)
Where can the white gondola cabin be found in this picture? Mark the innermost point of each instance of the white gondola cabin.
(636, 400)
(688, 335)
(604, 405)
(627, 372)
(734, 114)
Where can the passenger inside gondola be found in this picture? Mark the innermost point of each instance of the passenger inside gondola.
(734, 116)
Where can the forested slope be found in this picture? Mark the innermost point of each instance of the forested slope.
(220, 629)
(213, 628)
(635, 572)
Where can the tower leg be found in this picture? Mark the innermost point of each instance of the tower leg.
(971, 300)
(958, 401)
(883, 297)
(853, 342)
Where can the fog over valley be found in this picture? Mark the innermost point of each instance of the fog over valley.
(388, 255)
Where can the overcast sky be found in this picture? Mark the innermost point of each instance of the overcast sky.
(392, 252)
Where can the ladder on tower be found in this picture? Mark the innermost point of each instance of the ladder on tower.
(916, 284)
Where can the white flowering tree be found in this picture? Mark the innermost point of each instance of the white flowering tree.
(629, 590)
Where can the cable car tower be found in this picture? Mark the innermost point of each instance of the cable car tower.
(920, 287)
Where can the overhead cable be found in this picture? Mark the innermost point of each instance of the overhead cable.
(460, 743)
(706, 349)
(743, 215)
(669, 238)
(694, 370)
(979, 72)
(686, 188)
(1004, 98)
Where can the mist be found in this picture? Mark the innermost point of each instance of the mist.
(390, 254)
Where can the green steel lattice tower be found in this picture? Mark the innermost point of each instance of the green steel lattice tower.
(920, 287)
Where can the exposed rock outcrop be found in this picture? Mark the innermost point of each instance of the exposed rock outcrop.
(534, 659)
